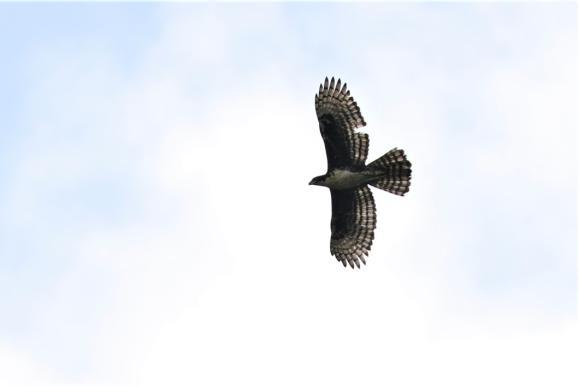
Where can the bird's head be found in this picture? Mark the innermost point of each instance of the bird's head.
(319, 180)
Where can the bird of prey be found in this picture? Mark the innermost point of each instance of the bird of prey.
(348, 176)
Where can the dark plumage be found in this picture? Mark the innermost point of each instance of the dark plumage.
(353, 208)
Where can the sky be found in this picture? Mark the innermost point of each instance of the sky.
(157, 226)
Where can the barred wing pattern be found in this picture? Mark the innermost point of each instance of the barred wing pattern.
(339, 116)
(353, 224)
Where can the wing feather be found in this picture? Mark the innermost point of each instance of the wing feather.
(339, 115)
(353, 224)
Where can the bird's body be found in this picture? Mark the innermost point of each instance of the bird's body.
(340, 179)
(353, 209)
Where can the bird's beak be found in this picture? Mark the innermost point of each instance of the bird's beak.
(311, 183)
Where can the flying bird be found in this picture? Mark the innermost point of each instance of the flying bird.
(348, 176)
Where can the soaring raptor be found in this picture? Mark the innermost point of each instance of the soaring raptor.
(348, 176)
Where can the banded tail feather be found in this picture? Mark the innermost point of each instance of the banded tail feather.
(396, 172)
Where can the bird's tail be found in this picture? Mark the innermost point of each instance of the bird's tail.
(395, 172)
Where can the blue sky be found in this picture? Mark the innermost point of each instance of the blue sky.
(156, 225)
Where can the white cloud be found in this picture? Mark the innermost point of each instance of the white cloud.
(221, 273)
(19, 369)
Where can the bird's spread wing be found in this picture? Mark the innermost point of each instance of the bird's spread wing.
(339, 116)
(353, 224)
